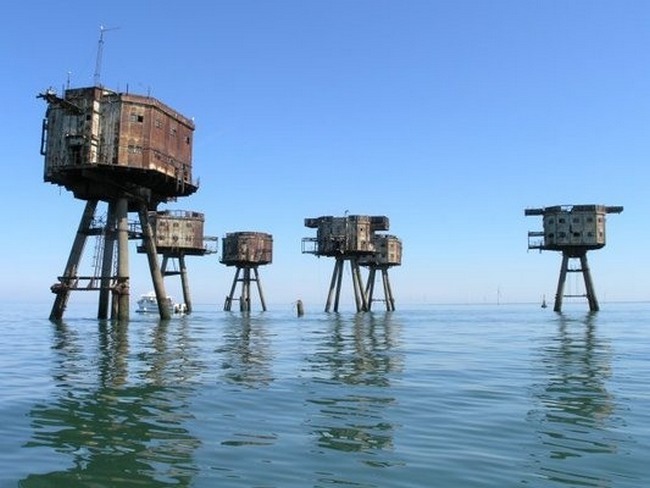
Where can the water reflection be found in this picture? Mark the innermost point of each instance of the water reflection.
(246, 351)
(573, 423)
(117, 416)
(352, 368)
(358, 350)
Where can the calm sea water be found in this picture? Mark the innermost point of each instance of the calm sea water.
(441, 396)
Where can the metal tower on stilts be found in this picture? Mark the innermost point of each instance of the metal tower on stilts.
(177, 234)
(348, 238)
(388, 253)
(131, 152)
(573, 230)
(246, 251)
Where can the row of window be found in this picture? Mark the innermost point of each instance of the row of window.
(575, 220)
(174, 224)
(175, 237)
(562, 235)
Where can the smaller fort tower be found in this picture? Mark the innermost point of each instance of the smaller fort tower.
(177, 234)
(573, 230)
(388, 253)
(246, 251)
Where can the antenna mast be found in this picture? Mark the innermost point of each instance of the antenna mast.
(100, 52)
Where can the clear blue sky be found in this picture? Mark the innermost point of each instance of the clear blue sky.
(450, 117)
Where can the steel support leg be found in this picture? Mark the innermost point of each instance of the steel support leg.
(332, 289)
(152, 256)
(107, 263)
(340, 263)
(370, 286)
(245, 299)
(227, 306)
(559, 294)
(359, 295)
(364, 302)
(589, 285)
(187, 299)
(122, 286)
(70, 272)
(259, 288)
(355, 286)
(388, 291)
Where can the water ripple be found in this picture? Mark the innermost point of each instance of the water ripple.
(441, 396)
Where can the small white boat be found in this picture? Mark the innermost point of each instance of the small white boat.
(147, 303)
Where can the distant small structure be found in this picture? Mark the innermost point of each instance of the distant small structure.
(132, 152)
(350, 238)
(246, 251)
(388, 253)
(573, 230)
(176, 234)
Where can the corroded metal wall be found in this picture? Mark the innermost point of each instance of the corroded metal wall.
(352, 234)
(247, 248)
(388, 251)
(178, 230)
(120, 139)
(576, 226)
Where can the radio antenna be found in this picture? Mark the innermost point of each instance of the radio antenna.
(100, 52)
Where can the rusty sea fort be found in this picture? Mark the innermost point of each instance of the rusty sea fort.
(448, 396)
(471, 396)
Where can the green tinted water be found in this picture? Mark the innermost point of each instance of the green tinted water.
(487, 396)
